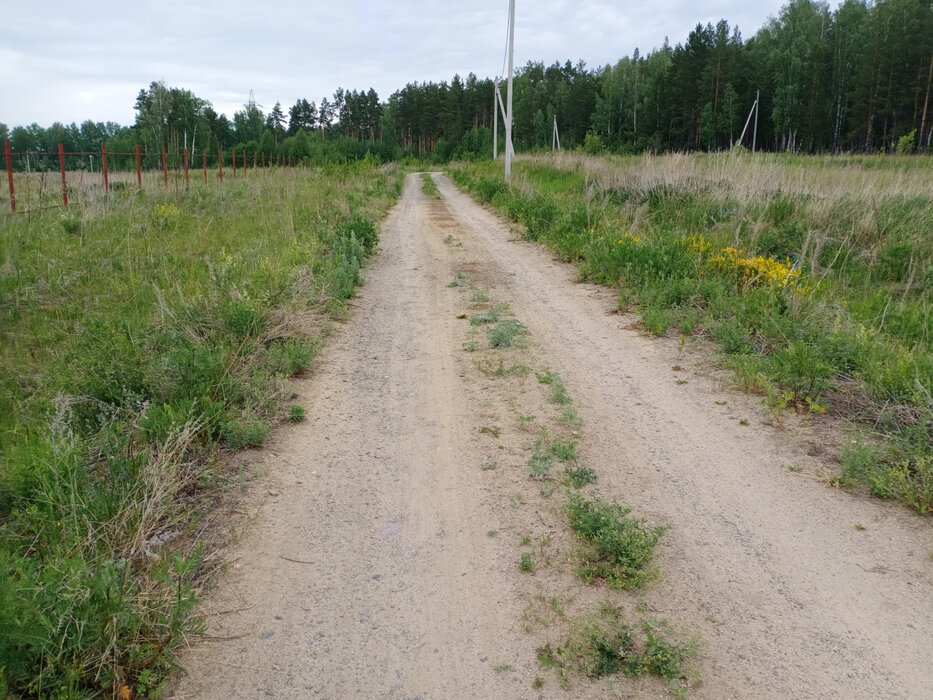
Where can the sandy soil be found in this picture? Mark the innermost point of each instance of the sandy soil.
(382, 556)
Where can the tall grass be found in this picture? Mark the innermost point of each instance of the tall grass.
(814, 274)
(139, 338)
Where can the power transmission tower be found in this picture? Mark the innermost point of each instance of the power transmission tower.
(508, 115)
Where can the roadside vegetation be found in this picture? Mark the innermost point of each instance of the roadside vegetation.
(141, 340)
(814, 275)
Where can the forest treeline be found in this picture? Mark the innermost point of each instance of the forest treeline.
(855, 79)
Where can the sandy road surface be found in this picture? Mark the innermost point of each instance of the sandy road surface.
(367, 570)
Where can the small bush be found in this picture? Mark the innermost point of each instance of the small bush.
(619, 547)
(504, 333)
(580, 476)
(564, 450)
(599, 642)
(362, 230)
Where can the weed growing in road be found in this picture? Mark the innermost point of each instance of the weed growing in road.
(617, 548)
(564, 450)
(569, 417)
(602, 643)
(524, 421)
(490, 315)
(505, 333)
(559, 393)
(540, 462)
(491, 369)
(527, 562)
(297, 414)
(459, 280)
(480, 297)
(429, 187)
(580, 476)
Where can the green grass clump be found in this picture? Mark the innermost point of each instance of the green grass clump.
(602, 643)
(132, 347)
(527, 562)
(540, 463)
(558, 393)
(564, 450)
(505, 333)
(580, 476)
(617, 548)
(428, 186)
(490, 315)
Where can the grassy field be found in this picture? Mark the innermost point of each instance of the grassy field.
(815, 275)
(140, 339)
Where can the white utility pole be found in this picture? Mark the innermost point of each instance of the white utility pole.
(555, 142)
(495, 120)
(508, 115)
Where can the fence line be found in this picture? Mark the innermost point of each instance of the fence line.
(178, 167)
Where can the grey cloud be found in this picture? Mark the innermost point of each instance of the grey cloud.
(67, 61)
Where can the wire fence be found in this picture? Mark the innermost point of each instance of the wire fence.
(39, 180)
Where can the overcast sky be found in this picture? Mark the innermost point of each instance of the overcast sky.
(68, 60)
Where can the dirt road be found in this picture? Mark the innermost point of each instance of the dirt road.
(382, 561)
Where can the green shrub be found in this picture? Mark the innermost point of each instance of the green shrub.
(504, 333)
(619, 547)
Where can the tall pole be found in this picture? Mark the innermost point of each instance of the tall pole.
(508, 111)
(755, 132)
(495, 120)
